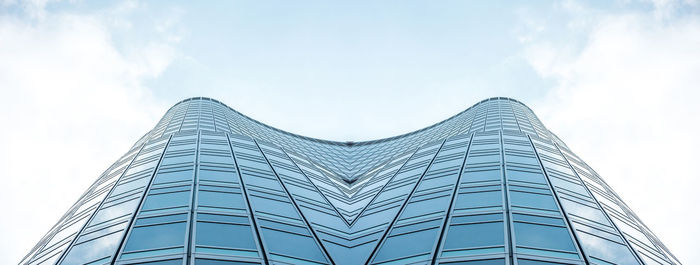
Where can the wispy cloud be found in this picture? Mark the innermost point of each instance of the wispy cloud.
(626, 101)
(68, 94)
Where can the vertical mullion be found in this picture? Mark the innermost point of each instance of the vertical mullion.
(293, 202)
(448, 214)
(556, 198)
(193, 200)
(138, 207)
(250, 208)
(506, 202)
(403, 206)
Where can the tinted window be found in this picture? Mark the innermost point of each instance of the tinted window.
(156, 236)
(543, 236)
(224, 235)
(474, 235)
(166, 200)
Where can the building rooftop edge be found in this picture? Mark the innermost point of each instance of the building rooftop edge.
(351, 143)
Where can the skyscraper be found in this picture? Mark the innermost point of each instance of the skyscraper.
(490, 185)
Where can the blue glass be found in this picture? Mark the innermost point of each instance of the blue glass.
(477, 262)
(218, 175)
(539, 219)
(221, 199)
(536, 262)
(166, 200)
(162, 262)
(303, 246)
(477, 218)
(156, 236)
(407, 245)
(474, 235)
(479, 176)
(94, 249)
(161, 219)
(543, 236)
(168, 177)
(534, 200)
(479, 199)
(526, 176)
(606, 250)
(220, 262)
(225, 235)
(117, 210)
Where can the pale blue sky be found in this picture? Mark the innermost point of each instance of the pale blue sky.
(616, 80)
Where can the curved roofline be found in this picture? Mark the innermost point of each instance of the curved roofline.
(350, 143)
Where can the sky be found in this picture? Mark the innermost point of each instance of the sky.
(81, 81)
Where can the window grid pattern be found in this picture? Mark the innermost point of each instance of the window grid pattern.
(209, 185)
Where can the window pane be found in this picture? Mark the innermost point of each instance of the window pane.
(606, 250)
(478, 262)
(156, 236)
(221, 199)
(533, 200)
(165, 177)
(163, 262)
(479, 199)
(474, 235)
(406, 245)
(225, 235)
(219, 262)
(212, 175)
(536, 262)
(543, 236)
(166, 200)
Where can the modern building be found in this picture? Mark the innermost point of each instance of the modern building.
(210, 186)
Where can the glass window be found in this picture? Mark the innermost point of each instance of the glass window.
(219, 262)
(166, 200)
(221, 199)
(225, 235)
(538, 219)
(211, 158)
(479, 199)
(474, 235)
(523, 159)
(478, 262)
(167, 177)
(217, 175)
(222, 218)
(163, 262)
(543, 236)
(534, 200)
(407, 245)
(585, 211)
(536, 262)
(606, 250)
(525, 176)
(156, 236)
(169, 160)
(117, 210)
(94, 249)
(478, 176)
(416, 226)
(303, 247)
(477, 218)
(161, 219)
(131, 185)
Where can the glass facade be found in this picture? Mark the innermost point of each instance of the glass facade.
(210, 186)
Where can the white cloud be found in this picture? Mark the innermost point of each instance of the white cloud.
(627, 104)
(71, 104)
